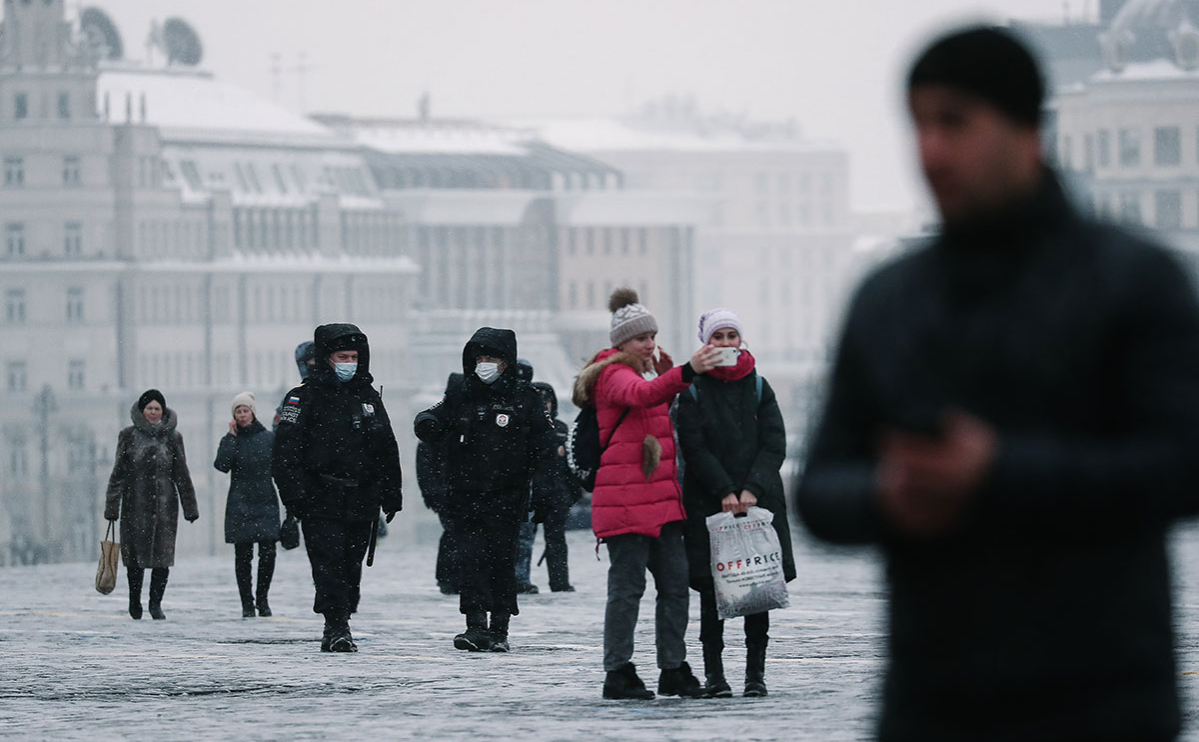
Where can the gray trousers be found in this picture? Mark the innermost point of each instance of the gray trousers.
(630, 556)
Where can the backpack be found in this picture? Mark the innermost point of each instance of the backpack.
(757, 390)
(583, 448)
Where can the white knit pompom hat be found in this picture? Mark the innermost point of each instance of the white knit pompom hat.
(629, 317)
(247, 399)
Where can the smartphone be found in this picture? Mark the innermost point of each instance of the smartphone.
(728, 357)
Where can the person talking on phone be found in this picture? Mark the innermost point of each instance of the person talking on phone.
(733, 441)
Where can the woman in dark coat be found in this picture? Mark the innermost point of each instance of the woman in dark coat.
(252, 510)
(733, 442)
(149, 481)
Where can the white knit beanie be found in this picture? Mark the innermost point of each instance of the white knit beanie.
(718, 319)
(247, 399)
(629, 318)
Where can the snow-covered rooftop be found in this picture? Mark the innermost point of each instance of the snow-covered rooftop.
(611, 134)
(1156, 70)
(460, 140)
(187, 104)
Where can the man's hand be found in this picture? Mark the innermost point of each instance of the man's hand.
(389, 515)
(925, 483)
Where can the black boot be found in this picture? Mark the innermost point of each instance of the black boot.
(499, 632)
(241, 569)
(337, 629)
(679, 681)
(755, 670)
(158, 588)
(135, 576)
(623, 684)
(717, 686)
(476, 638)
(266, 572)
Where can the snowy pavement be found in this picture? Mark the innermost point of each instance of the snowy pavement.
(74, 666)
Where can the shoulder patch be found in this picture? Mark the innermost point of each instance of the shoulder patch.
(291, 410)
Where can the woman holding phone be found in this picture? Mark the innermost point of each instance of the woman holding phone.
(733, 441)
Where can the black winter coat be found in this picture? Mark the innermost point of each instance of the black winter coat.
(730, 442)
(554, 488)
(495, 435)
(336, 456)
(1047, 614)
(252, 510)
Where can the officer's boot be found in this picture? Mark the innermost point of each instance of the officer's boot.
(716, 686)
(158, 588)
(476, 638)
(499, 631)
(337, 625)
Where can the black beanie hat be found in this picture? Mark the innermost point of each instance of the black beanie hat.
(151, 395)
(989, 62)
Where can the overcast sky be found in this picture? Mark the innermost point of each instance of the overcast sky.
(835, 67)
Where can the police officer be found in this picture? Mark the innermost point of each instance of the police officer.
(496, 432)
(336, 462)
(434, 489)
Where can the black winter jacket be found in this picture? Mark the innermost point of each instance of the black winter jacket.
(252, 510)
(336, 456)
(1047, 615)
(495, 435)
(731, 441)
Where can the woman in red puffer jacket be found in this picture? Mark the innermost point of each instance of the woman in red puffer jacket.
(637, 506)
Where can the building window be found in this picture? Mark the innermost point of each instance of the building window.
(643, 242)
(1130, 147)
(14, 306)
(18, 462)
(16, 376)
(1066, 154)
(1167, 209)
(71, 171)
(74, 304)
(64, 105)
(1130, 207)
(574, 295)
(1167, 146)
(1105, 148)
(14, 171)
(72, 240)
(75, 378)
(191, 174)
(14, 240)
(1088, 152)
(21, 106)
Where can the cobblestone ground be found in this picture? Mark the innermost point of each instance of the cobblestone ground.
(73, 666)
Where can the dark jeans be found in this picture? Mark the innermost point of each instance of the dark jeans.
(666, 557)
(555, 551)
(487, 554)
(335, 551)
(243, 559)
(447, 554)
(524, 552)
(711, 628)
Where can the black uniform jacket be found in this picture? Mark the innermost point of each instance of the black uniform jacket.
(1046, 615)
(336, 456)
(495, 435)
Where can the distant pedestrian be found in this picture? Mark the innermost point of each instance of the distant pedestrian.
(495, 432)
(252, 509)
(637, 506)
(528, 528)
(554, 491)
(734, 442)
(435, 490)
(1013, 416)
(336, 463)
(305, 355)
(149, 482)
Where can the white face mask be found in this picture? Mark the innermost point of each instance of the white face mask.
(487, 372)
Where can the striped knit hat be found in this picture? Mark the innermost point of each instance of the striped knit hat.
(629, 318)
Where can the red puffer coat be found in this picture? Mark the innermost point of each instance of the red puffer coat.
(637, 486)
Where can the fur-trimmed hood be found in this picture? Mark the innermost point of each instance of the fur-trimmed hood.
(583, 393)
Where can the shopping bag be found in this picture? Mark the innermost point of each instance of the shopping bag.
(289, 533)
(106, 572)
(747, 563)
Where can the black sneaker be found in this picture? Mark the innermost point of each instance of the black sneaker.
(527, 589)
(680, 681)
(567, 589)
(326, 638)
(499, 642)
(473, 640)
(623, 685)
(342, 641)
(447, 588)
(717, 687)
